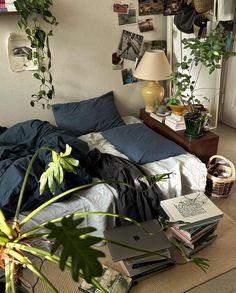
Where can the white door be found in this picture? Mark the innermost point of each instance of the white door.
(228, 106)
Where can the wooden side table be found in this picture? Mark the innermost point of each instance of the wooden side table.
(203, 147)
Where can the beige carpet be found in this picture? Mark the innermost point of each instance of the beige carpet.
(223, 283)
(221, 253)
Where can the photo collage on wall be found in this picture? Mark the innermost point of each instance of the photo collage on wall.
(133, 45)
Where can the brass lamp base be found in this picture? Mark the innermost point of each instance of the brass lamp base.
(153, 94)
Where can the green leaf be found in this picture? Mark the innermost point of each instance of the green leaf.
(75, 245)
(55, 170)
(67, 151)
(36, 75)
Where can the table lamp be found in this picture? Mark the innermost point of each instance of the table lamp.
(153, 67)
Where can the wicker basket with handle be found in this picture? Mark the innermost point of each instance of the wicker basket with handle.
(220, 186)
(202, 6)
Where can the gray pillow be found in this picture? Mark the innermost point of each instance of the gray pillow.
(141, 144)
(93, 115)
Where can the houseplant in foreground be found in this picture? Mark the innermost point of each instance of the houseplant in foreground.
(206, 52)
(74, 241)
(32, 15)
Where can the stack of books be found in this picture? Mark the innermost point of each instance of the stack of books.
(7, 6)
(175, 122)
(137, 264)
(199, 217)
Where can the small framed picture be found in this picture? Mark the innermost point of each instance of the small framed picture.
(171, 7)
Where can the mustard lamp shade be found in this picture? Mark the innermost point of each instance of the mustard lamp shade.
(153, 67)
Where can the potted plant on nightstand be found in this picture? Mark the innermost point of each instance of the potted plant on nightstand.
(203, 52)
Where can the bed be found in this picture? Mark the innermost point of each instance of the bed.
(188, 173)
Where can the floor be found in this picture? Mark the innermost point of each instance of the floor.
(227, 142)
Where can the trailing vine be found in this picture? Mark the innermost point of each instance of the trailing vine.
(32, 13)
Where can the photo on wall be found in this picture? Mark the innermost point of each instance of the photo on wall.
(127, 76)
(121, 6)
(146, 25)
(154, 45)
(130, 45)
(171, 7)
(128, 18)
(148, 7)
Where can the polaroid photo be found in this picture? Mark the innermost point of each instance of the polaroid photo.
(128, 18)
(121, 6)
(127, 76)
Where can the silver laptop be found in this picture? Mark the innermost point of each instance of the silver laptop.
(135, 236)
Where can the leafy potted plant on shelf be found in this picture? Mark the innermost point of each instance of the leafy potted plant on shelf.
(32, 15)
(206, 52)
(74, 241)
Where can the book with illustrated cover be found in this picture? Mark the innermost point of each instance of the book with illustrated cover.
(111, 280)
(194, 209)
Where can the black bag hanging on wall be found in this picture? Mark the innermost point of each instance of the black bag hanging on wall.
(185, 18)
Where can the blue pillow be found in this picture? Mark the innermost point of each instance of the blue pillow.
(93, 115)
(141, 144)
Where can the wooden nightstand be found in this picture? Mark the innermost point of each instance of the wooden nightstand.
(203, 147)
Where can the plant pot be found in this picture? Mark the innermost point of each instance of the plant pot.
(178, 109)
(194, 128)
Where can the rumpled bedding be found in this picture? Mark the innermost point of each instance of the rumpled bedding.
(17, 146)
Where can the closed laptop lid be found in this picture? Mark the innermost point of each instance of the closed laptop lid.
(135, 236)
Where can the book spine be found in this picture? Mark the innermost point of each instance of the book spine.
(198, 232)
(198, 242)
(200, 223)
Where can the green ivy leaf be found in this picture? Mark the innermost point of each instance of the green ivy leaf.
(75, 245)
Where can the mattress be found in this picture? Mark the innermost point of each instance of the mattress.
(188, 174)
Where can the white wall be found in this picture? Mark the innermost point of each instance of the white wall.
(87, 35)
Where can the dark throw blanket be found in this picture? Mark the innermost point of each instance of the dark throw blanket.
(19, 143)
(141, 203)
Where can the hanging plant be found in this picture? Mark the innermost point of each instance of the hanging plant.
(32, 13)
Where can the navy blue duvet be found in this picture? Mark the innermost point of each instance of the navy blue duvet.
(17, 146)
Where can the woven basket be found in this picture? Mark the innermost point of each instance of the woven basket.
(202, 6)
(220, 187)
